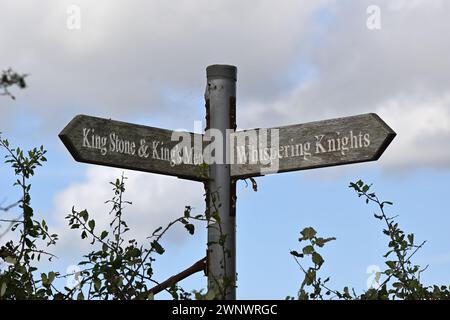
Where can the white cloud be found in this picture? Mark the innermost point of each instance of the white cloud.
(422, 124)
(297, 62)
(423, 132)
(396, 5)
(401, 72)
(156, 201)
(129, 54)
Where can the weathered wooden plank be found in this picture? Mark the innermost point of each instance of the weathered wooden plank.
(318, 144)
(125, 145)
(297, 147)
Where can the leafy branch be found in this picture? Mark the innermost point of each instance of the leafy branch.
(120, 269)
(18, 280)
(402, 277)
(406, 276)
(10, 78)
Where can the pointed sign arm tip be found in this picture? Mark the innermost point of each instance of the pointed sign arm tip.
(66, 140)
(390, 135)
(390, 131)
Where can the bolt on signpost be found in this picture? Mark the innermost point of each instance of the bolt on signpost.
(230, 155)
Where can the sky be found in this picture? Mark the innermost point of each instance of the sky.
(298, 61)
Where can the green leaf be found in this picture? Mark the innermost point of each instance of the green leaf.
(346, 292)
(308, 250)
(104, 235)
(308, 233)
(216, 217)
(296, 254)
(91, 224)
(85, 215)
(317, 259)
(411, 238)
(10, 260)
(97, 284)
(44, 279)
(157, 247)
(190, 227)
(3, 289)
(391, 264)
(387, 253)
(321, 241)
(51, 277)
(310, 276)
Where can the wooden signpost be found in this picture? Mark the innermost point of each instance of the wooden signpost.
(333, 142)
(246, 154)
(125, 145)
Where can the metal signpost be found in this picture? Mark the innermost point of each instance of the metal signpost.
(230, 155)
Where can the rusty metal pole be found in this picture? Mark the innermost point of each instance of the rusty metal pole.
(220, 98)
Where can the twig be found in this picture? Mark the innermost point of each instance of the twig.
(11, 224)
(196, 267)
(7, 208)
(309, 278)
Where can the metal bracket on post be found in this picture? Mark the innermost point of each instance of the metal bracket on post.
(220, 98)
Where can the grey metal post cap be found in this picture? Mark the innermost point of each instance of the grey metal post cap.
(216, 71)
